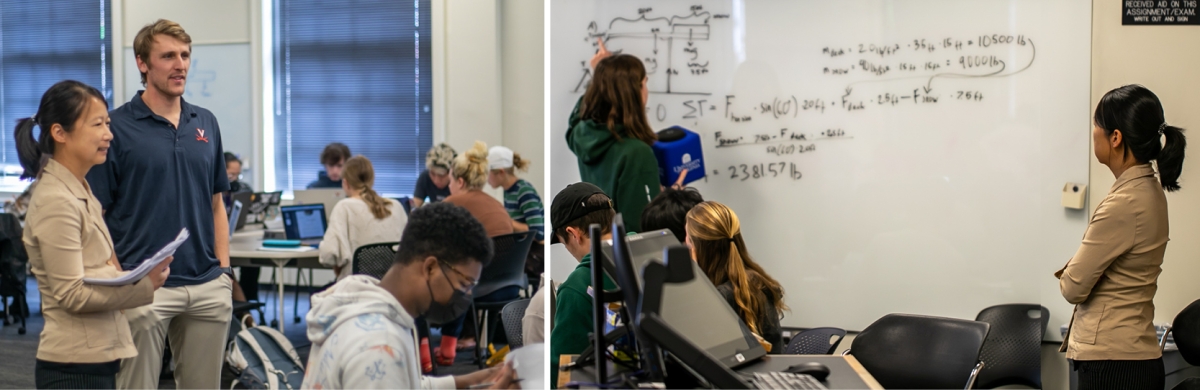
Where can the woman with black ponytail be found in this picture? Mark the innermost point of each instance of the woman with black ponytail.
(1113, 276)
(86, 333)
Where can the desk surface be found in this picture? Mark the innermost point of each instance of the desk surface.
(243, 249)
(844, 371)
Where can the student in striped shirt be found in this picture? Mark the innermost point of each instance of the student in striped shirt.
(521, 200)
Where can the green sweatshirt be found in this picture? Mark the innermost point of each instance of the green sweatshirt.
(573, 315)
(626, 169)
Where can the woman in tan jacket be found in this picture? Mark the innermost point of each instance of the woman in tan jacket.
(1113, 276)
(86, 332)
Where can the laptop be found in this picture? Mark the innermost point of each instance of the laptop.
(328, 197)
(305, 223)
(236, 214)
(238, 221)
(695, 308)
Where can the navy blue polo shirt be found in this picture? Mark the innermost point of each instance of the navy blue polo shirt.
(159, 179)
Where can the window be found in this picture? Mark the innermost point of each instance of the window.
(42, 43)
(356, 72)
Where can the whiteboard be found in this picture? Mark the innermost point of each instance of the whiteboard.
(883, 156)
(219, 80)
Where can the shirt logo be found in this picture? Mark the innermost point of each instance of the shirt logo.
(200, 135)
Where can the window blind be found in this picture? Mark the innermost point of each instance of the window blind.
(42, 43)
(355, 72)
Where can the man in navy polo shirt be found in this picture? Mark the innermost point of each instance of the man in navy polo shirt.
(165, 172)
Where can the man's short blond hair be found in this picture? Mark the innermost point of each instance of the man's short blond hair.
(145, 39)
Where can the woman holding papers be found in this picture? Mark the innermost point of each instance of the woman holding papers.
(1114, 274)
(715, 235)
(86, 333)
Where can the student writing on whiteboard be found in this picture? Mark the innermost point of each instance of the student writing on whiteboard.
(67, 240)
(166, 170)
(611, 137)
(715, 235)
(362, 218)
(1113, 276)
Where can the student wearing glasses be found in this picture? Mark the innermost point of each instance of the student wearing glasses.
(361, 327)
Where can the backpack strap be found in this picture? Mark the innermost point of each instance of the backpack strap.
(268, 367)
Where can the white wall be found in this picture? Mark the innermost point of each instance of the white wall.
(522, 80)
(488, 58)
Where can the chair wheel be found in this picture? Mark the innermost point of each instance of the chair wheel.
(274, 323)
(21, 331)
(296, 320)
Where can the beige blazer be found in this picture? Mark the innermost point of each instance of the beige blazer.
(67, 240)
(1114, 274)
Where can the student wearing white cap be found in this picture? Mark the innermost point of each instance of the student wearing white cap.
(520, 199)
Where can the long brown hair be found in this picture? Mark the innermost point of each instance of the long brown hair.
(360, 176)
(716, 237)
(614, 97)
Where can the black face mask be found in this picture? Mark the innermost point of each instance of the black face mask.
(443, 313)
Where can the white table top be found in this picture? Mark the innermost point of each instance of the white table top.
(246, 243)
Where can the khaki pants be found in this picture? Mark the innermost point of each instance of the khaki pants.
(196, 318)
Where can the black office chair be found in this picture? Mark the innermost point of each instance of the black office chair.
(815, 341)
(373, 259)
(13, 277)
(1186, 329)
(1013, 346)
(506, 269)
(905, 351)
(511, 315)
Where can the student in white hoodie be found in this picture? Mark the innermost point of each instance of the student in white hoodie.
(362, 328)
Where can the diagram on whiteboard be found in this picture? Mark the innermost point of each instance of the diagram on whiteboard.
(671, 47)
(689, 68)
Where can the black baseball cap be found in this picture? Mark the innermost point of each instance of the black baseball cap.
(571, 204)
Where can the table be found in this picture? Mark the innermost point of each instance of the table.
(243, 252)
(844, 371)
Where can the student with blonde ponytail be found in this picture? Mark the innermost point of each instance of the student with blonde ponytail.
(715, 236)
(362, 218)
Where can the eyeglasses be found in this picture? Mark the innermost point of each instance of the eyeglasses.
(471, 282)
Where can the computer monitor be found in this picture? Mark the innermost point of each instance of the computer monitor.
(235, 213)
(260, 201)
(303, 222)
(328, 197)
(695, 309)
(238, 221)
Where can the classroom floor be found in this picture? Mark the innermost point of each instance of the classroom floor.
(17, 351)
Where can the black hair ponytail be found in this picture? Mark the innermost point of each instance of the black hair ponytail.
(62, 104)
(1170, 159)
(28, 150)
(1138, 114)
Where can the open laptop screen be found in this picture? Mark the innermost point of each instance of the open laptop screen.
(304, 221)
(694, 309)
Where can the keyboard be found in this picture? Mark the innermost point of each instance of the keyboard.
(785, 380)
